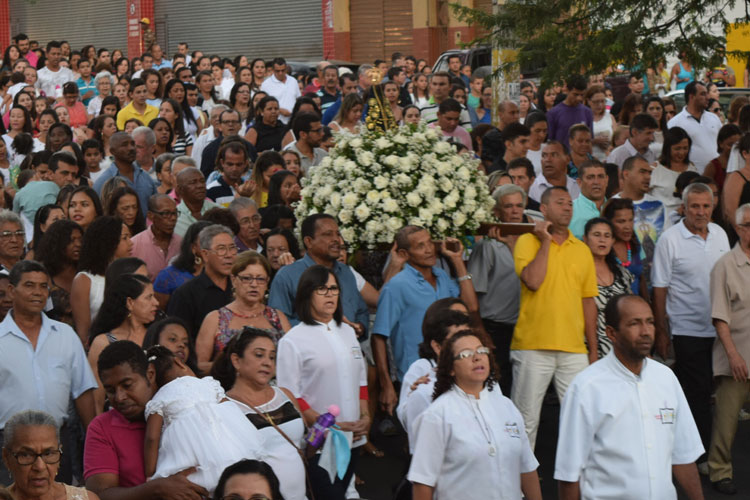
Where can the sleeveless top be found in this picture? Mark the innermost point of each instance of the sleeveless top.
(73, 493)
(269, 137)
(603, 126)
(684, 74)
(96, 293)
(226, 334)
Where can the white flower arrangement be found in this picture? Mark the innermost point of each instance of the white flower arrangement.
(376, 182)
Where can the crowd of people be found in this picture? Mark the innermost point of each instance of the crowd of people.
(170, 329)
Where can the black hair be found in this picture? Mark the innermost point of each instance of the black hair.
(222, 369)
(23, 143)
(612, 309)
(28, 126)
(41, 216)
(310, 224)
(611, 257)
(577, 82)
(444, 379)
(273, 214)
(185, 260)
(122, 352)
(314, 277)
(725, 132)
(179, 124)
(51, 250)
(162, 360)
(291, 241)
(514, 130)
(121, 267)
(691, 89)
(100, 242)
(298, 104)
(437, 319)
(672, 137)
(65, 128)
(643, 121)
(548, 192)
(247, 466)
(153, 333)
(303, 122)
(450, 105)
(609, 210)
(61, 156)
(152, 125)
(25, 266)
(274, 186)
(113, 311)
(663, 121)
(114, 198)
(522, 162)
(92, 196)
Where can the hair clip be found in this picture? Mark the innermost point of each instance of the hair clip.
(151, 359)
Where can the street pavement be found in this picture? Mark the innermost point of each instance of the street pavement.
(382, 475)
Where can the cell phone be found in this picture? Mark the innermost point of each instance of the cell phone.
(507, 228)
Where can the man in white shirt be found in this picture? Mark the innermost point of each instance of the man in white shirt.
(554, 172)
(283, 87)
(642, 130)
(52, 77)
(684, 257)
(208, 134)
(701, 125)
(625, 426)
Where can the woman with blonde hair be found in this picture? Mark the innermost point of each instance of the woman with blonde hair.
(349, 116)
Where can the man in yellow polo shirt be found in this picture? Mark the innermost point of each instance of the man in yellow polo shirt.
(558, 286)
(137, 108)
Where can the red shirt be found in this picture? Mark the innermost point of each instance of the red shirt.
(114, 445)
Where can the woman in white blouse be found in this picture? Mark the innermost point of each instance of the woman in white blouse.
(321, 363)
(472, 438)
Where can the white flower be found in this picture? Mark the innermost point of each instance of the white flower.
(345, 216)
(394, 224)
(391, 160)
(443, 167)
(362, 212)
(361, 185)
(348, 234)
(380, 182)
(335, 200)
(349, 200)
(451, 200)
(426, 214)
(400, 139)
(373, 227)
(470, 192)
(383, 143)
(459, 218)
(413, 199)
(433, 133)
(373, 197)
(446, 184)
(339, 162)
(480, 215)
(463, 174)
(436, 205)
(390, 205)
(403, 179)
(356, 143)
(365, 158)
(442, 225)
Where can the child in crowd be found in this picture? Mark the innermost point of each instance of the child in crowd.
(195, 423)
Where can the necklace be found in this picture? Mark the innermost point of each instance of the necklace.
(629, 260)
(249, 316)
(482, 426)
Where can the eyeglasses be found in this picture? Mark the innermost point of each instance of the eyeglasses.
(248, 280)
(167, 214)
(243, 92)
(468, 353)
(256, 496)
(315, 130)
(323, 290)
(231, 122)
(10, 234)
(223, 251)
(255, 219)
(715, 110)
(28, 458)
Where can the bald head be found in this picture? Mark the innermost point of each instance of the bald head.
(118, 138)
(508, 112)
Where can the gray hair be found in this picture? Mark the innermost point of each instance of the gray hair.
(507, 189)
(697, 187)
(147, 134)
(238, 204)
(161, 160)
(363, 69)
(28, 418)
(207, 235)
(10, 216)
(219, 109)
(740, 213)
(185, 161)
(184, 172)
(102, 75)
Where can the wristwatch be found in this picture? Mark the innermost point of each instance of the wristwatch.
(464, 278)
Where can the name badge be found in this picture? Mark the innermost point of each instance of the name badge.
(666, 415)
(511, 428)
(357, 352)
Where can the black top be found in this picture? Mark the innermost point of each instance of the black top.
(208, 158)
(269, 137)
(193, 300)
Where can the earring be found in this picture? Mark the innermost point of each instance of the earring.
(198, 261)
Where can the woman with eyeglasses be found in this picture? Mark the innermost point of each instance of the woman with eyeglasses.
(250, 276)
(321, 363)
(472, 438)
(32, 452)
(248, 480)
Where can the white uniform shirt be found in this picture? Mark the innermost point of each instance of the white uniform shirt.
(451, 453)
(541, 184)
(682, 264)
(620, 433)
(411, 404)
(702, 132)
(286, 92)
(323, 365)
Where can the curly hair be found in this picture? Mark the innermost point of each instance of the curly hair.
(111, 209)
(52, 248)
(99, 244)
(445, 380)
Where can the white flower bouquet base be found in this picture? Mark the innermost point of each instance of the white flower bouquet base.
(376, 182)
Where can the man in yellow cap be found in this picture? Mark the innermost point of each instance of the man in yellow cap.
(148, 35)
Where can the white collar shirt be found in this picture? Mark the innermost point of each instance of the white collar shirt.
(625, 151)
(703, 133)
(411, 403)
(620, 433)
(42, 378)
(541, 184)
(682, 264)
(452, 450)
(286, 92)
(323, 365)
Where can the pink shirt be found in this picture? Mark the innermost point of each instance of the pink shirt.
(459, 133)
(145, 249)
(114, 445)
(32, 58)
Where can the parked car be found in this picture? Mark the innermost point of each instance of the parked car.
(726, 94)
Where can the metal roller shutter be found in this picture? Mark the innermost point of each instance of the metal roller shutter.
(291, 28)
(397, 26)
(80, 22)
(367, 34)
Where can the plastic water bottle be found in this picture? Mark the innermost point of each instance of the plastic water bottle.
(317, 433)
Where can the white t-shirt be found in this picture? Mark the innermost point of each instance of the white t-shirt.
(535, 157)
(703, 133)
(663, 182)
(540, 185)
(286, 92)
(452, 452)
(620, 433)
(48, 81)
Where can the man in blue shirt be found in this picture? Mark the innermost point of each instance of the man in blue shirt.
(592, 179)
(122, 147)
(405, 298)
(322, 240)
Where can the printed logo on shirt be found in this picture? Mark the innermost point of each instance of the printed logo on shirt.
(511, 428)
(357, 352)
(666, 415)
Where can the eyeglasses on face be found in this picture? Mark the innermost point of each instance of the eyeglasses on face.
(222, 250)
(468, 353)
(167, 214)
(248, 280)
(28, 457)
(6, 235)
(324, 290)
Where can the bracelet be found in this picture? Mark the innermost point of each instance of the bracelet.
(464, 278)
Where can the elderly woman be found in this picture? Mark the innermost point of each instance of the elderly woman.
(32, 453)
(104, 82)
(250, 276)
(321, 363)
(471, 438)
(245, 369)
